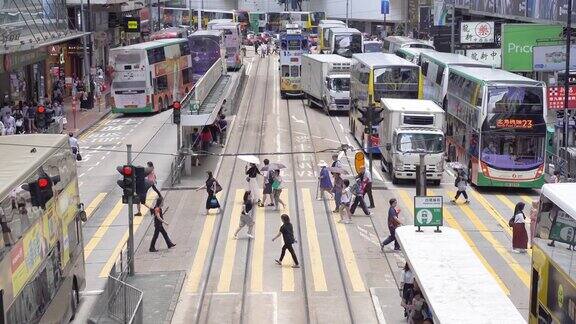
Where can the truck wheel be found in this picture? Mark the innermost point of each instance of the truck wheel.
(394, 179)
(282, 95)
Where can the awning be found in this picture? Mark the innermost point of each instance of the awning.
(28, 42)
(199, 120)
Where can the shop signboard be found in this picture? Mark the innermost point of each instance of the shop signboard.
(556, 97)
(477, 32)
(131, 24)
(491, 56)
(553, 58)
(428, 211)
(518, 41)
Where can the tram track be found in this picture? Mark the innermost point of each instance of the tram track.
(203, 302)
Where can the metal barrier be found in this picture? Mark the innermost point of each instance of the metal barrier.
(119, 303)
(202, 88)
(176, 168)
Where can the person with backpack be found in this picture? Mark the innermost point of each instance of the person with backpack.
(519, 234)
(461, 182)
(247, 216)
(287, 232)
(159, 223)
(358, 192)
(212, 188)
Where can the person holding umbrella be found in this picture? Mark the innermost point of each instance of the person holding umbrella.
(324, 181)
(268, 178)
(251, 172)
(277, 185)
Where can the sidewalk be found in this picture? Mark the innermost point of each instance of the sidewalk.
(81, 120)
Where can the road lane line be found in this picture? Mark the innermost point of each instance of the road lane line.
(454, 224)
(116, 252)
(502, 250)
(313, 244)
(230, 250)
(287, 270)
(409, 202)
(348, 256)
(258, 249)
(528, 200)
(195, 273)
(94, 204)
(102, 229)
(506, 201)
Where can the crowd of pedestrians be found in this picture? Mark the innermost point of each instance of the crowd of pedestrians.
(21, 117)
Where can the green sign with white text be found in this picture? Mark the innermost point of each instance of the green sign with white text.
(428, 211)
(518, 41)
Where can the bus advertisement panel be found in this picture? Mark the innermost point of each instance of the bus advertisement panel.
(206, 47)
(495, 126)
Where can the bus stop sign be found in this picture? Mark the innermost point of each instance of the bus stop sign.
(194, 106)
(428, 211)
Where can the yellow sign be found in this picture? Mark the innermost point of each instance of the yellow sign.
(289, 84)
(359, 161)
(18, 267)
(33, 248)
(132, 25)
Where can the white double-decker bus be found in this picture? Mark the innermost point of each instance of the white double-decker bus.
(232, 41)
(495, 126)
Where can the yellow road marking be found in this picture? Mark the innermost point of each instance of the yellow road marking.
(287, 271)
(348, 256)
(94, 204)
(95, 128)
(258, 249)
(197, 267)
(230, 249)
(313, 244)
(506, 201)
(503, 251)
(116, 252)
(102, 229)
(528, 200)
(451, 221)
(409, 202)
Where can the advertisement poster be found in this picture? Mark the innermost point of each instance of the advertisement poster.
(561, 297)
(440, 12)
(33, 247)
(18, 266)
(477, 32)
(553, 58)
(518, 41)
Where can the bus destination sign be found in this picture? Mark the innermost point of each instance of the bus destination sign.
(515, 123)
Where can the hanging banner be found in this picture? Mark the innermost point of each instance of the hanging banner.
(553, 58)
(477, 32)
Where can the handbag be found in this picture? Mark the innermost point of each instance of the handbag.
(78, 157)
(213, 203)
(276, 185)
(217, 187)
(511, 221)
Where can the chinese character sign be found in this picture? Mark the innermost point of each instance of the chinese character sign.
(490, 56)
(477, 32)
(556, 97)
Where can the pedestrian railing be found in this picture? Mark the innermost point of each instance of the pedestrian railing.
(118, 303)
(194, 99)
(176, 169)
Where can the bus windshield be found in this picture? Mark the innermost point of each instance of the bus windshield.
(514, 130)
(340, 84)
(372, 47)
(396, 82)
(419, 142)
(346, 45)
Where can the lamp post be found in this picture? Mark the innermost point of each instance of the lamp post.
(567, 75)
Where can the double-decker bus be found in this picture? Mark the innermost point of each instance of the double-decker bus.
(323, 28)
(308, 20)
(392, 43)
(207, 15)
(170, 32)
(148, 77)
(258, 22)
(435, 69)
(242, 17)
(232, 42)
(412, 54)
(344, 42)
(553, 284)
(177, 17)
(495, 126)
(206, 47)
(42, 260)
(293, 44)
(375, 76)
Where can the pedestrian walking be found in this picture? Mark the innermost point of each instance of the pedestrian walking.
(519, 235)
(159, 223)
(152, 178)
(247, 216)
(533, 220)
(287, 232)
(555, 178)
(222, 129)
(367, 179)
(461, 183)
(337, 191)
(205, 139)
(324, 181)
(358, 192)
(268, 180)
(277, 185)
(407, 284)
(73, 142)
(344, 206)
(212, 187)
(336, 162)
(393, 223)
(263, 50)
(251, 172)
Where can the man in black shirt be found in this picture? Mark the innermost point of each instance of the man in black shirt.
(287, 232)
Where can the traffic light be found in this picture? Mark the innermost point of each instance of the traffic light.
(41, 117)
(176, 112)
(127, 182)
(41, 190)
(141, 185)
(370, 116)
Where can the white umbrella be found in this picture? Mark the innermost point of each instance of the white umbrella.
(273, 166)
(340, 155)
(249, 158)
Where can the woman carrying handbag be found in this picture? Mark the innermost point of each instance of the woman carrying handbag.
(212, 188)
(519, 234)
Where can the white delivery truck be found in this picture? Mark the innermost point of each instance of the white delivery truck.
(325, 81)
(411, 127)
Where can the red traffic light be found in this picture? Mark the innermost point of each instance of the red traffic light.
(176, 105)
(41, 109)
(127, 171)
(43, 183)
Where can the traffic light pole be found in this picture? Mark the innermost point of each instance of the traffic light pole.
(178, 137)
(370, 116)
(130, 219)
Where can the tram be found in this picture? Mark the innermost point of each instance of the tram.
(292, 45)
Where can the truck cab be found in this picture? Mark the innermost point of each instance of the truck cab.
(409, 128)
(337, 92)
